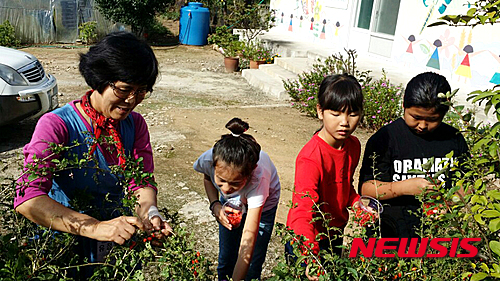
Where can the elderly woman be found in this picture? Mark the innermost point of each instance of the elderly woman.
(121, 70)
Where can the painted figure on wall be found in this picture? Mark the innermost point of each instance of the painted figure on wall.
(322, 35)
(464, 68)
(312, 23)
(496, 77)
(291, 22)
(434, 59)
(300, 21)
(411, 39)
(282, 15)
(337, 28)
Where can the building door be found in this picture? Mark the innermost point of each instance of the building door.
(379, 18)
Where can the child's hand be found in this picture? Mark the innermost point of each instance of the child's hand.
(221, 217)
(416, 186)
(363, 217)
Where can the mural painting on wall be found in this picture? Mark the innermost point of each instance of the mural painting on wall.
(310, 20)
(451, 51)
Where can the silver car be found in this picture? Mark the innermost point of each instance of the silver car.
(25, 89)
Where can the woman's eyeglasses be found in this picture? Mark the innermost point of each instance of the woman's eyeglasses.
(123, 94)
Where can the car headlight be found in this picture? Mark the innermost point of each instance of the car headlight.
(11, 76)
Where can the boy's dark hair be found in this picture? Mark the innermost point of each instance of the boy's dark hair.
(423, 90)
(339, 92)
(120, 56)
(237, 149)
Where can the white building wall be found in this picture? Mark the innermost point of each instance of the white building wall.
(332, 23)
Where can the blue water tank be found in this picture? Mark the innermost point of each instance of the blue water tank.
(194, 24)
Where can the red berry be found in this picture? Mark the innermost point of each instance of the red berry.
(195, 261)
(149, 238)
(145, 240)
(399, 275)
(380, 269)
(195, 273)
(197, 254)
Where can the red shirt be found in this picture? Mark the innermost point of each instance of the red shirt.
(326, 174)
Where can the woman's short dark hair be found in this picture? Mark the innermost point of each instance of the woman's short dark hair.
(423, 90)
(120, 56)
(237, 149)
(339, 92)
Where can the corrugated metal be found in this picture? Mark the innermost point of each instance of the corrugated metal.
(49, 21)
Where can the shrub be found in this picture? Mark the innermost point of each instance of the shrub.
(8, 35)
(382, 99)
(223, 37)
(87, 31)
(382, 103)
(304, 90)
(139, 14)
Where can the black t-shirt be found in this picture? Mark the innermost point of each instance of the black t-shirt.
(399, 150)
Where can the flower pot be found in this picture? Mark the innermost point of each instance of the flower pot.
(231, 64)
(254, 64)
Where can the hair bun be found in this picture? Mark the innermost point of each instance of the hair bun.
(237, 126)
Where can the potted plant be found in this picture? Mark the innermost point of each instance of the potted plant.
(231, 52)
(258, 54)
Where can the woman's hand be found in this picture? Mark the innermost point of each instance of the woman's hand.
(117, 230)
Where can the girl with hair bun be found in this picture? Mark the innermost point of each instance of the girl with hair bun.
(244, 176)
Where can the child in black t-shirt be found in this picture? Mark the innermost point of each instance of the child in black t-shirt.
(407, 144)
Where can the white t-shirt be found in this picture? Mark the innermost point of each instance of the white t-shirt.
(263, 188)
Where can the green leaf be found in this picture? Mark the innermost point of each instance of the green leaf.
(353, 272)
(416, 172)
(478, 276)
(427, 166)
(484, 267)
(479, 144)
(494, 225)
(471, 12)
(482, 96)
(438, 23)
(495, 194)
(491, 213)
(479, 218)
(495, 247)
(496, 267)
(494, 150)
(478, 183)
(494, 129)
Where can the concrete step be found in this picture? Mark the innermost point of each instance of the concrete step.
(295, 65)
(277, 71)
(268, 84)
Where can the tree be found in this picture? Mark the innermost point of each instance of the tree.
(480, 12)
(139, 14)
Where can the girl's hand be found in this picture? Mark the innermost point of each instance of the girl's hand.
(117, 230)
(310, 278)
(221, 217)
(416, 186)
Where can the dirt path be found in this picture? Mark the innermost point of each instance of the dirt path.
(191, 103)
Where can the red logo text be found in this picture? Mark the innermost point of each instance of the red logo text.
(417, 247)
